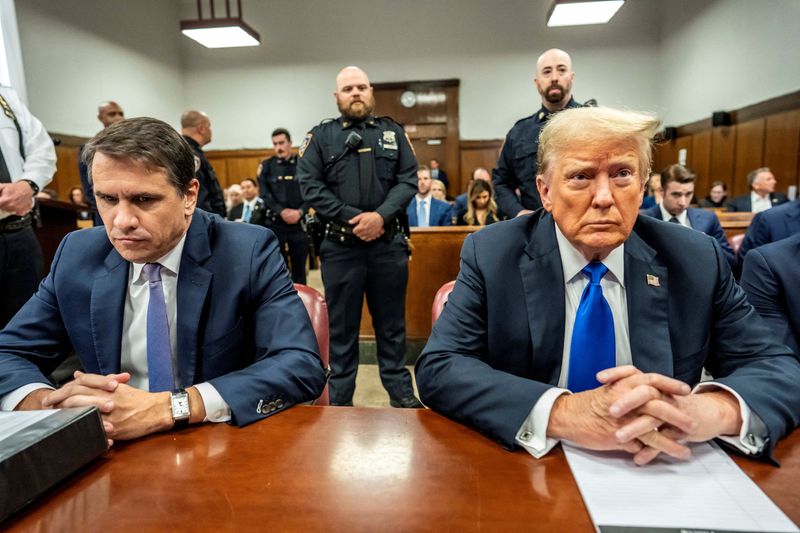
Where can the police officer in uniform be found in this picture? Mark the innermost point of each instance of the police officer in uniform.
(516, 166)
(359, 172)
(196, 129)
(281, 193)
(27, 164)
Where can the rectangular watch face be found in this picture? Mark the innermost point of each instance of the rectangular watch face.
(180, 405)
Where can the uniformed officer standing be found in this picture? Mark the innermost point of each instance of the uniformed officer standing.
(27, 164)
(196, 129)
(359, 172)
(516, 166)
(281, 192)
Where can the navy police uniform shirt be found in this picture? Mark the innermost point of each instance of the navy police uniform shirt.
(279, 186)
(516, 166)
(330, 181)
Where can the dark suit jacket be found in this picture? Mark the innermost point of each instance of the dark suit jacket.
(771, 279)
(258, 216)
(706, 222)
(241, 326)
(770, 226)
(441, 213)
(498, 344)
(743, 203)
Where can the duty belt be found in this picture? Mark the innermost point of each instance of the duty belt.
(14, 223)
(343, 233)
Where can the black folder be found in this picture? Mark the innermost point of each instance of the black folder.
(38, 456)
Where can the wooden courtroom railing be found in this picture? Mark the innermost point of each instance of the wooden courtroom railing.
(734, 223)
(58, 219)
(338, 469)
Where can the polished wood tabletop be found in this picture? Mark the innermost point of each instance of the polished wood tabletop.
(337, 469)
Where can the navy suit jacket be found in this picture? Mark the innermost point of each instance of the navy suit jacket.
(771, 279)
(240, 325)
(743, 202)
(770, 226)
(704, 221)
(441, 213)
(497, 347)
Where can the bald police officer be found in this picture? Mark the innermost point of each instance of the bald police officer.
(359, 172)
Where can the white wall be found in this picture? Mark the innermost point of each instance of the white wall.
(78, 53)
(726, 54)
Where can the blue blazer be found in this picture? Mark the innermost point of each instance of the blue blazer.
(497, 347)
(770, 226)
(770, 279)
(704, 221)
(744, 203)
(441, 213)
(240, 324)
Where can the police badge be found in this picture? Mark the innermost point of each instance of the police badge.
(389, 140)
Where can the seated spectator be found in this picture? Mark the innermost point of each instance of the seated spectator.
(717, 195)
(678, 182)
(425, 210)
(586, 322)
(481, 208)
(76, 198)
(762, 195)
(233, 196)
(461, 200)
(438, 173)
(439, 190)
(654, 192)
(769, 277)
(252, 210)
(770, 226)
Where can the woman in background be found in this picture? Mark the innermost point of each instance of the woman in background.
(717, 196)
(481, 207)
(439, 190)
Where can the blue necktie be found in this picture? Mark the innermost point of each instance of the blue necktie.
(592, 348)
(159, 351)
(422, 213)
(246, 216)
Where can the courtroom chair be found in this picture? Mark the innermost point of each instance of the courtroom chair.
(440, 299)
(736, 242)
(318, 312)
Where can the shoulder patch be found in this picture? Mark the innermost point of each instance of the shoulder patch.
(326, 120)
(410, 144)
(305, 144)
(260, 168)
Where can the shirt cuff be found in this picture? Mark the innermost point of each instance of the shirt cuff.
(532, 435)
(217, 410)
(753, 433)
(10, 401)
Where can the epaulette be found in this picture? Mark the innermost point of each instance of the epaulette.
(326, 120)
(526, 118)
(390, 119)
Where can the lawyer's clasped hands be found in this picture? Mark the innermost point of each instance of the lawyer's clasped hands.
(643, 414)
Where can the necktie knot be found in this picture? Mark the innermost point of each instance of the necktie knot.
(675, 220)
(595, 271)
(152, 272)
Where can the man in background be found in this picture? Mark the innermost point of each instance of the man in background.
(762, 195)
(196, 129)
(108, 113)
(425, 210)
(252, 209)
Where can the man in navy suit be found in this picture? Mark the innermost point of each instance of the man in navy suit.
(770, 226)
(678, 182)
(770, 278)
(762, 195)
(531, 350)
(435, 212)
(176, 315)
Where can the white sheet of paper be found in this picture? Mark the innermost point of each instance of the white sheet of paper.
(708, 492)
(14, 421)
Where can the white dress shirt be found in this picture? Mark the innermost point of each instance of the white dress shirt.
(532, 433)
(759, 203)
(683, 217)
(39, 164)
(134, 337)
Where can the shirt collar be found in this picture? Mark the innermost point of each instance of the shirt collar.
(347, 123)
(171, 260)
(423, 198)
(666, 215)
(572, 260)
(251, 203)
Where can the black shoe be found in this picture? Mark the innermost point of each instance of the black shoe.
(409, 402)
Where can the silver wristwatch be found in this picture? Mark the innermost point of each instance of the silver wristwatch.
(179, 401)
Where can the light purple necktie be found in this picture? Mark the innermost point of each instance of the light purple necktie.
(159, 351)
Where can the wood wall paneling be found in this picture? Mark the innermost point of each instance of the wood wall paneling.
(682, 143)
(232, 166)
(723, 145)
(749, 153)
(475, 154)
(782, 147)
(664, 154)
(701, 160)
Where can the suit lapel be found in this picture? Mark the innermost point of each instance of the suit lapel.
(412, 213)
(793, 219)
(543, 284)
(646, 287)
(106, 310)
(193, 283)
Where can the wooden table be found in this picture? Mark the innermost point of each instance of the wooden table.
(337, 469)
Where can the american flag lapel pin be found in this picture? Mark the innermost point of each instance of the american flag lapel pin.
(653, 281)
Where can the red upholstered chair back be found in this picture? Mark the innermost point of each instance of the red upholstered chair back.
(736, 242)
(440, 299)
(318, 312)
